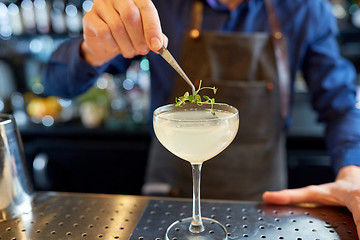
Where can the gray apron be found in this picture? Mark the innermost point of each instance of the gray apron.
(245, 68)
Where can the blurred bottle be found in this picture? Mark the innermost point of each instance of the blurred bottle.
(137, 84)
(28, 15)
(18, 108)
(73, 18)
(2, 105)
(7, 80)
(32, 71)
(5, 29)
(42, 16)
(57, 17)
(15, 19)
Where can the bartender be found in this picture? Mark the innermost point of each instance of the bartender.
(251, 50)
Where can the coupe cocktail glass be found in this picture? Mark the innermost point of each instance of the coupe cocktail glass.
(194, 134)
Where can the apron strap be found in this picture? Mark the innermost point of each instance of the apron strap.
(281, 54)
(196, 19)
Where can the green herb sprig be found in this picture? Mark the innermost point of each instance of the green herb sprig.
(198, 99)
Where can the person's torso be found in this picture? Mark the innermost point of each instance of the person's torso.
(249, 17)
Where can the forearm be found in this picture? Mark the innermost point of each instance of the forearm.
(343, 139)
(331, 81)
(67, 74)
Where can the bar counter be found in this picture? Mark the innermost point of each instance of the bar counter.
(58, 215)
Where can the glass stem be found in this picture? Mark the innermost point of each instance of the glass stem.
(196, 225)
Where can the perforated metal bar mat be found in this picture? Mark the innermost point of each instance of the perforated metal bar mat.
(92, 216)
(76, 217)
(251, 221)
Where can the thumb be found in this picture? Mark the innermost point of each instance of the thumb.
(310, 194)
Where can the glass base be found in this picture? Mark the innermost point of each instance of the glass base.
(179, 230)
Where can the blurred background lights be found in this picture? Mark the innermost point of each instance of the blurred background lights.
(128, 84)
(17, 100)
(6, 32)
(5, 28)
(144, 64)
(102, 83)
(137, 116)
(36, 45)
(27, 4)
(87, 5)
(2, 105)
(356, 18)
(37, 88)
(353, 8)
(357, 105)
(13, 9)
(40, 4)
(47, 121)
(131, 74)
(71, 10)
(64, 102)
(20, 117)
(118, 104)
(339, 11)
(59, 5)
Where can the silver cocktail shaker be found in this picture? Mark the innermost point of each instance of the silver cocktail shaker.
(15, 185)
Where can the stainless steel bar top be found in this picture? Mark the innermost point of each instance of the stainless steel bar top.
(98, 216)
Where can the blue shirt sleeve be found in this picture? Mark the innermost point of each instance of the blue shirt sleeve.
(68, 75)
(331, 81)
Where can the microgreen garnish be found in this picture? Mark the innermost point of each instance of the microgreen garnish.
(197, 99)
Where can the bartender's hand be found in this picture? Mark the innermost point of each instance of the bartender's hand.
(127, 27)
(345, 191)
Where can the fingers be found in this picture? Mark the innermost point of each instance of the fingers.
(353, 204)
(356, 217)
(348, 180)
(151, 24)
(127, 27)
(99, 46)
(311, 194)
(115, 29)
(142, 25)
(132, 22)
(323, 194)
(99, 29)
(345, 191)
